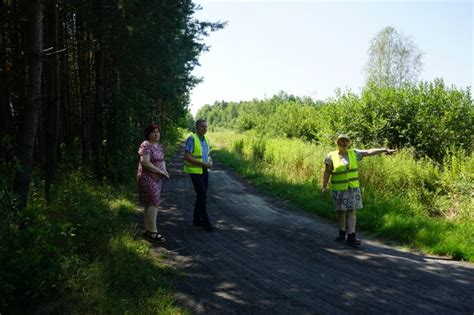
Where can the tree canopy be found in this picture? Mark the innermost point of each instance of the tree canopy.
(394, 60)
(87, 76)
(430, 117)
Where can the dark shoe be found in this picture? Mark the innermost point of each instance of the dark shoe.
(154, 237)
(352, 239)
(209, 228)
(341, 237)
(197, 223)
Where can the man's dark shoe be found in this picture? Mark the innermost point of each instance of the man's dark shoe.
(341, 237)
(352, 239)
(209, 228)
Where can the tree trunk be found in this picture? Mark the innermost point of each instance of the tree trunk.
(52, 109)
(83, 91)
(5, 113)
(65, 86)
(19, 49)
(161, 106)
(98, 112)
(32, 109)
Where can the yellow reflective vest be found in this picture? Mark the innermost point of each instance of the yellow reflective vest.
(197, 154)
(344, 177)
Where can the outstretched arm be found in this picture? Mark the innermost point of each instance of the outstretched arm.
(378, 151)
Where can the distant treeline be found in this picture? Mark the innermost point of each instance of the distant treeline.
(429, 117)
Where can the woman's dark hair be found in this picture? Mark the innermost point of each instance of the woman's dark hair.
(149, 129)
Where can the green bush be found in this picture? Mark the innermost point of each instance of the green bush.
(429, 117)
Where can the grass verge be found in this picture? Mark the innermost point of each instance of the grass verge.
(411, 202)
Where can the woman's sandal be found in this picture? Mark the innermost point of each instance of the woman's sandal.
(154, 237)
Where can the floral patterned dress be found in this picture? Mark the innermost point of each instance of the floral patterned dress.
(149, 183)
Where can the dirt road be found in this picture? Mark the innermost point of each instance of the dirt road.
(266, 258)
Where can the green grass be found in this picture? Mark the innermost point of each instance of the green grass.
(81, 254)
(411, 202)
(82, 251)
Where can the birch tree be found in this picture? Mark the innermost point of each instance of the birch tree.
(394, 60)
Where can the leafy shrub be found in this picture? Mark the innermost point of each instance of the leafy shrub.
(429, 117)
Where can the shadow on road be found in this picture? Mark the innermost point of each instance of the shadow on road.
(266, 259)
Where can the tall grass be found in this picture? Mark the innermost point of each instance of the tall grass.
(412, 201)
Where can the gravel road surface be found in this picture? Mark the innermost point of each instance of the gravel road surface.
(266, 258)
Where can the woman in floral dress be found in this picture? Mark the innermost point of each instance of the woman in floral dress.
(342, 167)
(151, 169)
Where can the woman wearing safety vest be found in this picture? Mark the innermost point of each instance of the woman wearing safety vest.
(341, 166)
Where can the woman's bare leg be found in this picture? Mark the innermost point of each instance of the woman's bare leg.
(341, 219)
(351, 221)
(150, 218)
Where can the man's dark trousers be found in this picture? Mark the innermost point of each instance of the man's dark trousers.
(200, 183)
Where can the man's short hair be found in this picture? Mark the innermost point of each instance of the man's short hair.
(200, 121)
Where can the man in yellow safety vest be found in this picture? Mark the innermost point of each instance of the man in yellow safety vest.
(197, 163)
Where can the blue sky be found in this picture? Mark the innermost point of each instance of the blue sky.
(311, 48)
